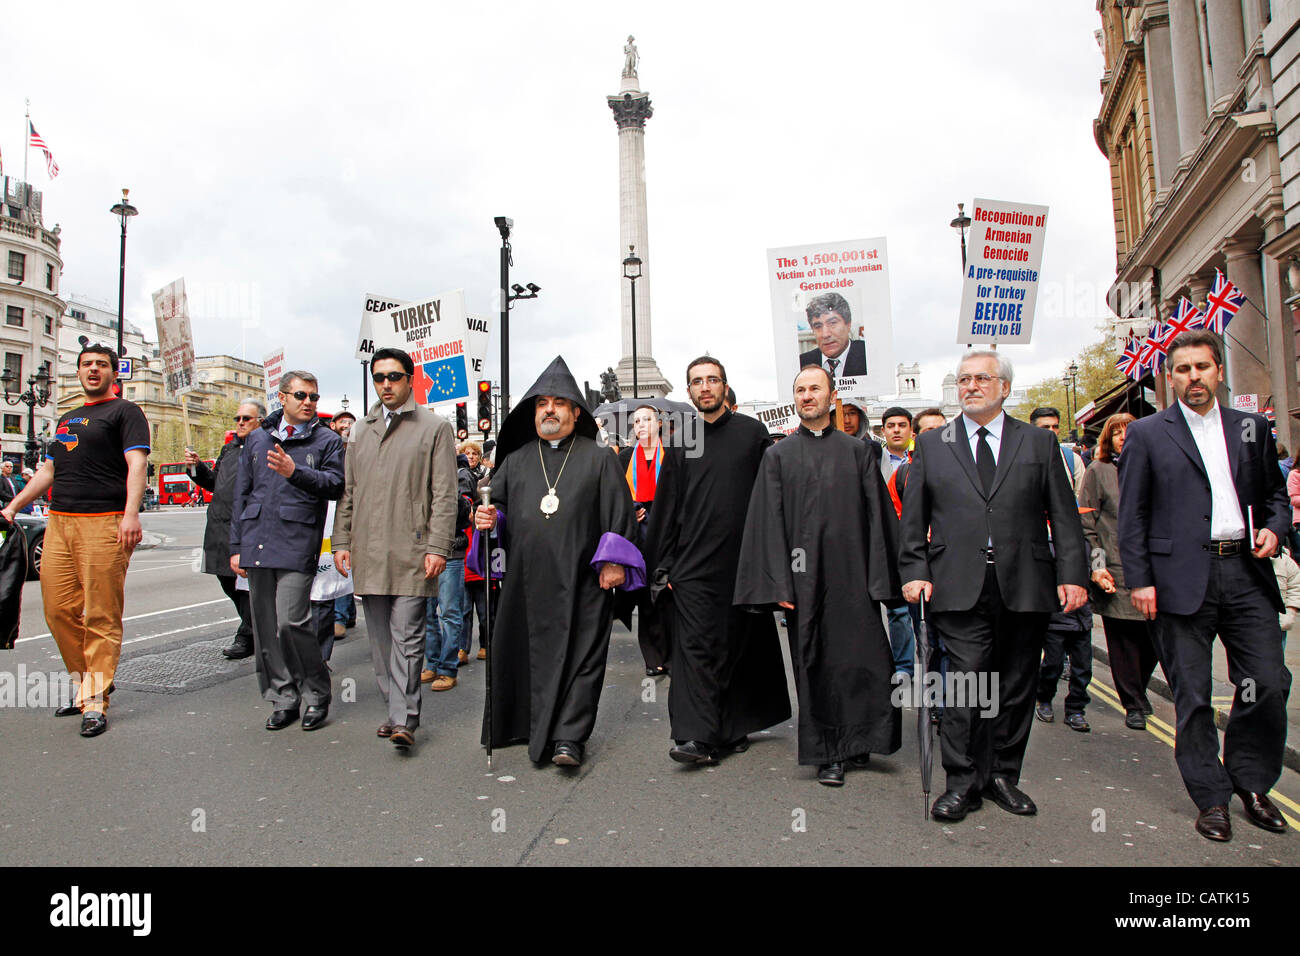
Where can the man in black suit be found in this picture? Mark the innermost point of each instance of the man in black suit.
(1199, 484)
(837, 351)
(980, 494)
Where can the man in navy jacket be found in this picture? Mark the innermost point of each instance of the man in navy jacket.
(1202, 507)
(290, 469)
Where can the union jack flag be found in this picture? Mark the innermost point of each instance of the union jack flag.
(1130, 362)
(1185, 318)
(1222, 304)
(34, 139)
(1154, 347)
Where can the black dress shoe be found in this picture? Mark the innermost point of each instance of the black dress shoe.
(237, 651)
(93, 724)
(1261, 811)
(314, 716)
(1009, 797)
(1134, 720)
(831, 775)
(67, 710)
(280, 719)
(693, 752)
(1213, 824)
(954, 805)
(737, 746)
(567, 754)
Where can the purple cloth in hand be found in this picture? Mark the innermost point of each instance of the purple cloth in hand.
(618, 550)
(475, 554)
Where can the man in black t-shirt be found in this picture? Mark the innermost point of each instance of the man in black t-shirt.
(96, 466)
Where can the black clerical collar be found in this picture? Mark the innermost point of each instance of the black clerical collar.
(815, 434)
(566, 440)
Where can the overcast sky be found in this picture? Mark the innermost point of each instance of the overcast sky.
(288, 158)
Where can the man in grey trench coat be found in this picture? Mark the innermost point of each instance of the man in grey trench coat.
(393, 530)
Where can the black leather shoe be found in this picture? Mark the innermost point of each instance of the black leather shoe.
(1134, 720)
(567, 754)
(314, 716)
(737, 746)
(67, 710)
(831, 775)
(237, 651)
(954, 805)
(1009, 797)
(693, 752)
(1213, 824)
(1261, 811)
(1044, 712)
(1076, 721)
(280, 719)
(93, 724)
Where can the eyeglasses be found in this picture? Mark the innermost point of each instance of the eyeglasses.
(711, 379)
(981, 379)
(381, 377)
(245, 418)
(301, 396)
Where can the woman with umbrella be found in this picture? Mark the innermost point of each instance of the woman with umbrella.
(642, 462)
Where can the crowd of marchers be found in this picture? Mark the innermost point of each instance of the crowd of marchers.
(970, 552)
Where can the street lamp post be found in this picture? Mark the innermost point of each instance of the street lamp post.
(1065, 383)
(961, 224)
(1074, 389)
(632, 272)
(509, 294)
(37, 394)
(124, 211)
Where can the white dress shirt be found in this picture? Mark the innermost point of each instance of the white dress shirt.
(1226, 521)
(995, 435)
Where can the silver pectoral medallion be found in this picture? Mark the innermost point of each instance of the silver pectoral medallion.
(550, 503)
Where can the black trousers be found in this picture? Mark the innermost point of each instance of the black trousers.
(244, 635)
(1235, 607)
(1132, 651)
(1067, 634)
(478, 595)
(989, 640)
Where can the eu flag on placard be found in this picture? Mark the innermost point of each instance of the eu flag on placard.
(442, 381)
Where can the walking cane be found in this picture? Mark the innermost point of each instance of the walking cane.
(485, 493)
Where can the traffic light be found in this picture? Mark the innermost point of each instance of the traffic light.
(484, 406)
(462, 420)
(117, 389)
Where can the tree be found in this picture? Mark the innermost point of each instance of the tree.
(1097, 375)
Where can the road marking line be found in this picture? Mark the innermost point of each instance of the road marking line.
(179, 630)
(134, 617)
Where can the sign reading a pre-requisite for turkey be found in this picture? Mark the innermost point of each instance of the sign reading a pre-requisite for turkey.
(1004, 253)
(175, 339)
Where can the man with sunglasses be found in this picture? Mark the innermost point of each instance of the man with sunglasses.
(289, 470)
(220, 480)
(395, 531)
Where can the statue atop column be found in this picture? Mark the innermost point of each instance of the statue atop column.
(630, 57)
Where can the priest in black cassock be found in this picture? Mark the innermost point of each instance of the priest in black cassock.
(728, 678)
(819, 542)
(567, 532)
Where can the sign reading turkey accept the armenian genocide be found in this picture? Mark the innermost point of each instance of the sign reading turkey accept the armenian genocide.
(432, 331)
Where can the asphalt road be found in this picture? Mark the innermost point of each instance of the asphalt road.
(193, 778)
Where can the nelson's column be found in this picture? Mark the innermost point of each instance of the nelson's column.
(631, 109)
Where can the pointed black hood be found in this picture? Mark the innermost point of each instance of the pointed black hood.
(520, 426)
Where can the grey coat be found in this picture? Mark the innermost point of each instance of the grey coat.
(399, 500)
(1099, 513)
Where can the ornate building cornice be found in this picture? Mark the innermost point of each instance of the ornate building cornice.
(630, 111)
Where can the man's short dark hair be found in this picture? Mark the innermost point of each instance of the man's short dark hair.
(98, 349)
(896, 412)
(397, 354)
(1192, 338)
(828, 302)
(931, 412)
(731, 397)
(830, 382)
(1044, 411)
(704, 360)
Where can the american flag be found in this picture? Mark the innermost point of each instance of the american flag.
(1222, 304)
(34, 139)
(1154, 347)
(1130, 362)
(1185, 318)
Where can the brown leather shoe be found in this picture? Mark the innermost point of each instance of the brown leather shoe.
(402, 738)
(385, 730)
(1213, 824)
(426, 676)
(482, 653)
(462, 657)
(1261, 811)
(443, 682)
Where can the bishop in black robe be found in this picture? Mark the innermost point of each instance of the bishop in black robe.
(820, 535)
(550, 638)
(728, 678)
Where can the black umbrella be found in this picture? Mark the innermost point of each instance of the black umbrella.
(617, 416)
(925, 742)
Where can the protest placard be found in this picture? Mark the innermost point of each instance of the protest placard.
(433, 332)
(175, 338)
(1003, 259)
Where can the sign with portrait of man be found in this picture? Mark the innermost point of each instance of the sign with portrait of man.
(830, 307)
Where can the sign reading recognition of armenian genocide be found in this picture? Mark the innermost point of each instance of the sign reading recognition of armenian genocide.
(830, 307)
(1004, 253)
(273, 368)
(433, 332)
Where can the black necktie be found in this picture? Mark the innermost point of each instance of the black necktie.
(984, 463)
(834, 364)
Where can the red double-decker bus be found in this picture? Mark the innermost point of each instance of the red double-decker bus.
(175, 487)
